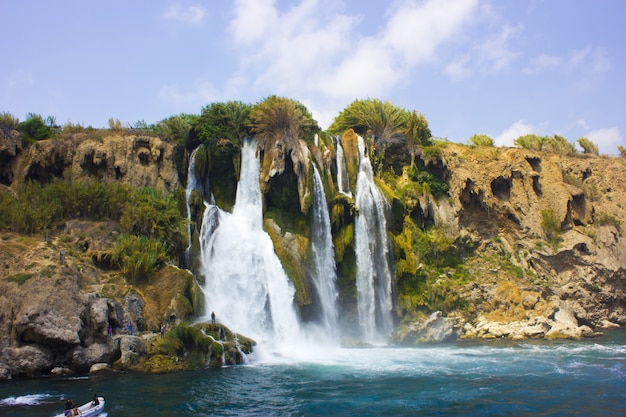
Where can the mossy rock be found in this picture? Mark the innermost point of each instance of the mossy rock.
(217, 352)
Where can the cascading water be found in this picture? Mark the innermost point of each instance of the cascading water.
(246, 285)
(343, 184)
(324, 271)
(192, 184)
(374, 292)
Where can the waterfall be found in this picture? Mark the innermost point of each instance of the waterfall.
(343, 183)
(192, 184)
(373, 282)
(324, 271)
(246, 285)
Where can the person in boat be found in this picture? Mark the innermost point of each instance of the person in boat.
(76, 412)
(69, 407)
(95, 402)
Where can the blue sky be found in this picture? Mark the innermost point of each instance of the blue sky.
(502, 68)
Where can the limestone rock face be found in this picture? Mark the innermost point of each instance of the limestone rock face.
(286, 160)
(506, 194)
(139, 161)
(10, 147)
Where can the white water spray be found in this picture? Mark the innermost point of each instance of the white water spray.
(373, 282)
(192, 184)
(343, 184)
(246, 285)
(324, 270)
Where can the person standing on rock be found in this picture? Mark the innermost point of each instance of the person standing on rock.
(213, 317)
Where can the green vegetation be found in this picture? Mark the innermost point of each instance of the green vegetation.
(36, 128)
(153, 226)
(429, 183)
(605, 219)
(282, 117)
(138, 257)
(384, 122)
(36, 208)
(551, 228)
(553, 144)
(9, 121)
(417, 133)
(480, 140)
(228, 120)
(588, 146)
(19, 278)
(150, 214)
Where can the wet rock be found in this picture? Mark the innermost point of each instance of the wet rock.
(434, 329)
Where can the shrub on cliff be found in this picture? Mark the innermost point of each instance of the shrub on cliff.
(138, 257)
(36, 128)
(152, 215)
(553, 144)
(480, 140)
(9, 121)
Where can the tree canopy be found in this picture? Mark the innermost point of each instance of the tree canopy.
(282, 116)
(480, 140)
(588, 146)
(224, 120)
(384, 122)
(36, 128)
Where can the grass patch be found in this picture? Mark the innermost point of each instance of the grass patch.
(19, 278)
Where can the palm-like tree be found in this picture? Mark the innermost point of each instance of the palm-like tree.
(384, 122)
(279, 116)
(417, 133)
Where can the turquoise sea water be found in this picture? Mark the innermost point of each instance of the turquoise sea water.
(568, 378)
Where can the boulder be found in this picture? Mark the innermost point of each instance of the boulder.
(434, 329)
(83, 357)
(100, 367)
(30, 360)
(132, 348)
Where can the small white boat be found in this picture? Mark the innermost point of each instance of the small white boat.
(87, 410)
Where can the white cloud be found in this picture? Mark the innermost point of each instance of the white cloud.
(311, 49)
(489, 55)
(607, 139)
(459, 69)
(415, 30)
(191, 14)
(253, 20)
(495, 54)
(594, 60)
(583, 123)
(513, 132)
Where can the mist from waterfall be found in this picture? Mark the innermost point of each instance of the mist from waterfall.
(343, 184)
(373, 282)
(246, 285)
(324, 271)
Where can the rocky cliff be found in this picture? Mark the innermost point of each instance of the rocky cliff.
(522, 244)
(532, 278)
(136, 160)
